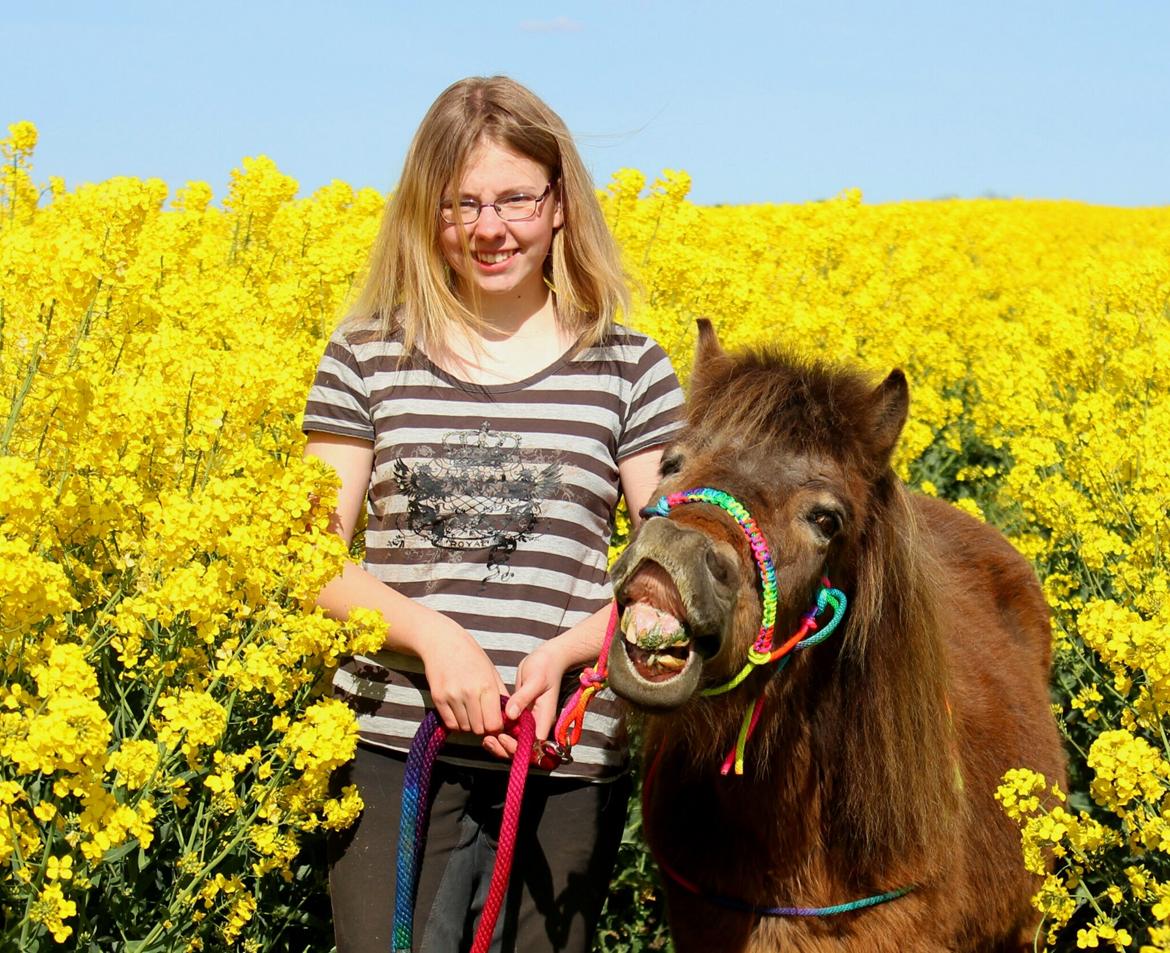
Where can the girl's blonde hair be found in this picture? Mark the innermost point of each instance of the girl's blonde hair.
(409, 285)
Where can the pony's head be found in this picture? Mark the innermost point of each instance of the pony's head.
(805, 450)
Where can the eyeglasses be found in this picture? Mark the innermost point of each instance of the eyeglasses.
(513, 208)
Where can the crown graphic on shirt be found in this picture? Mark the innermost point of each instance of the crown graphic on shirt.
(481, 445)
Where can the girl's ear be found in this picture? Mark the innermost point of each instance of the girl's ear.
(558, 212)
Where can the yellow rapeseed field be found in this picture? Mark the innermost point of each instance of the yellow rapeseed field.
(165, 745)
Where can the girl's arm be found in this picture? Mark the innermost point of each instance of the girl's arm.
(538, 677)
(464, 684)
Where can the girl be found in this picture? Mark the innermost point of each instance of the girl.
(483, 400)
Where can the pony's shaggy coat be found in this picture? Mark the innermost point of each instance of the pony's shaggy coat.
(878, 752)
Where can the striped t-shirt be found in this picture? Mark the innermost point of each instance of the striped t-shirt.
(492, 504)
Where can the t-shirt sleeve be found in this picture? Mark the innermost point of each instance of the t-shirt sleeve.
(339, 400)
(655, 411)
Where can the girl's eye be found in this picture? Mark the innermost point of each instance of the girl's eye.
(470, 205)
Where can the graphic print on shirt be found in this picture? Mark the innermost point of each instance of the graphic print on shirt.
(478, 492)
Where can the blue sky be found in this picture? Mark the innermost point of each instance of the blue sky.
(759, 102)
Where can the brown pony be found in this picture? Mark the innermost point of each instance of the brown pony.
(874, 762)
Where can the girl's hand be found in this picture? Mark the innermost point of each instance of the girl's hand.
(465, 686)
(538, 686)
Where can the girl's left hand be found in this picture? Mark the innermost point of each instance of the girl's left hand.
(538, 685)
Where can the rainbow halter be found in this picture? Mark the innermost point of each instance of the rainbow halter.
(762, 651)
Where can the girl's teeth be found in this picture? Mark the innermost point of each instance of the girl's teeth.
(494, 259)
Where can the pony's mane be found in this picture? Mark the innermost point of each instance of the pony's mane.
(889, 738)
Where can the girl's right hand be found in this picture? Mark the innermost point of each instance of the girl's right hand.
(465, 686)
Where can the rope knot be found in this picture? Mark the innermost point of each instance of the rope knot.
(758, 657)
(591, 677)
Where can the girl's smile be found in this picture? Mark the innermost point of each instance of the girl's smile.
(489, 261)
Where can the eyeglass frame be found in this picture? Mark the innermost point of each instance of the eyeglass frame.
(480, 206)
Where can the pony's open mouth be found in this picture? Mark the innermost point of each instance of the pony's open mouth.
(658, 666)
(655, 637)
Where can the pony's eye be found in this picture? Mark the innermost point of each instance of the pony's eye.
(670, 465)
(827, 522)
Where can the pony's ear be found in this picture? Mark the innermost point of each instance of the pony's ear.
(889, 406)
(709, 368)
(707, 348)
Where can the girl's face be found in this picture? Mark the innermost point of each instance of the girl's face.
(507, 257)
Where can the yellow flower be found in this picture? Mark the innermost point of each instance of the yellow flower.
(239, 914)
(22, 137)
(51, 909)
(134, 762)
(190, 719)
(162, 541)
(65, 669)
(59, 868)
(1126, 767)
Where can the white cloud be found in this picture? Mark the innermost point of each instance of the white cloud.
(555, 25)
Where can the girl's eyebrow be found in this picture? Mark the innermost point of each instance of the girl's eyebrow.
(504, 193)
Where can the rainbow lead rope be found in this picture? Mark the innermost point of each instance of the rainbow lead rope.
(567, 731)
(413, 825)
(826, 596)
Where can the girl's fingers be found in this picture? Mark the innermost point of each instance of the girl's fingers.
(478, 713)
(466, 715)
(523, 697)
(491, 744)
(493, 719)
(447, 714)
(545, 713)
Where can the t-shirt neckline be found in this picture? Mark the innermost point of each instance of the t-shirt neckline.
(508, 386)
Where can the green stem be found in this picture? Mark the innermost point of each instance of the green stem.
(187, 428)
(18, 400)
(241, 831)
(212, 454)
(83, 327)
(33, 886)
(149, 710)
(187, 842)
(12, 199)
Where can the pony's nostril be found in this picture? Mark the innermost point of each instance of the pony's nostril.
(708, 646)
(720, 567)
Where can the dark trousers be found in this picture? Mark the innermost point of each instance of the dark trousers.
(566, 848)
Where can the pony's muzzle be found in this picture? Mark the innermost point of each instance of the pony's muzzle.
(685, 585)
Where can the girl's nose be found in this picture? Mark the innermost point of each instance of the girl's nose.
(489, 224)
